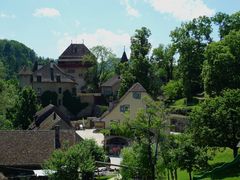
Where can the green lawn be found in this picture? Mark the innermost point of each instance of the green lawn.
(222, 155)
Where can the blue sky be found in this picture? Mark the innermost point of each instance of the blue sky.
(49, 26)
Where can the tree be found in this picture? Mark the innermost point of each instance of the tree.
(221, 67)
(226, 23)
(69, 163)
(49, 97)
(215, 122)
(190, 156)
(26, 108)
(139, 67)
(127, 78)
(146, 129)
(8, 99)
(72, 103)
(190, 41)
(173, 90)
(169, 155)
(163, 58)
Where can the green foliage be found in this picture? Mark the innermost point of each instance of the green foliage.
(78, 159)
(49, 97)
(145, 130)
(215, 122)
(191, 157)
(26, 108)
(8, 99)
(227, 23)
(221, 68)
(14, 55)
(72, 103)
(139, 68)
(127, 78)
(137, 161)
(105, 63)
(173, 90)
(190, 41)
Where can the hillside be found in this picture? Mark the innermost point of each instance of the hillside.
(15, 55)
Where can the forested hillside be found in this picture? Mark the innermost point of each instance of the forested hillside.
(14, 55)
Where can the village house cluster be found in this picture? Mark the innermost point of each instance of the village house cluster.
(28, 149)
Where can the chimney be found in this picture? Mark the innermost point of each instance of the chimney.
(51, 71)
(57, 137)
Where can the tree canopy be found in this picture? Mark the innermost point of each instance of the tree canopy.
(215, 122)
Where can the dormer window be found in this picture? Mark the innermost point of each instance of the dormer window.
(39, 78)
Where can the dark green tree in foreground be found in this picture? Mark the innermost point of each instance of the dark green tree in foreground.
(145, 131)
(216, 121)
(26, 108)
(76, 162)
(191, 157)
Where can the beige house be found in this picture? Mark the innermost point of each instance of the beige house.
(132, 101)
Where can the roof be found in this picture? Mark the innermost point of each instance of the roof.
(50, 71)
(112, 81)
(25, 71)
(124, 57)
(74, 51)
(48, 117)
(30, 148)
(137, 87)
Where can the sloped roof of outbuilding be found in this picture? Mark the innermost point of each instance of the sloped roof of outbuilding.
(112, 81)
(31, 148)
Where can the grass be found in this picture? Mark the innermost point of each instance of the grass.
(222, 155)
(105, 177)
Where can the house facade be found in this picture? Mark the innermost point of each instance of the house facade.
(131, 102)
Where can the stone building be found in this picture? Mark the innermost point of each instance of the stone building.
(75, 61)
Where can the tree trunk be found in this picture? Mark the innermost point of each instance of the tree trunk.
(235, 152)
(175, 173)
(190, 175)
(168, 174)
(172, 175)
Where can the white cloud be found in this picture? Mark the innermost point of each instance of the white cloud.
(4, 15)
(114, 41)
(130, 10)
(182, 9)
(46, 12)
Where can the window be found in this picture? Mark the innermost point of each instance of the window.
(124, 108)
(60, 90)
(39, 78)
(58, 78)
(136, 95)
(59, 102)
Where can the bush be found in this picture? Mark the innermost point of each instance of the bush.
(173, 89)
(73, 103)
(49, 97)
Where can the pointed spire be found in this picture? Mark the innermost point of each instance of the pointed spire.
(124, 56)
